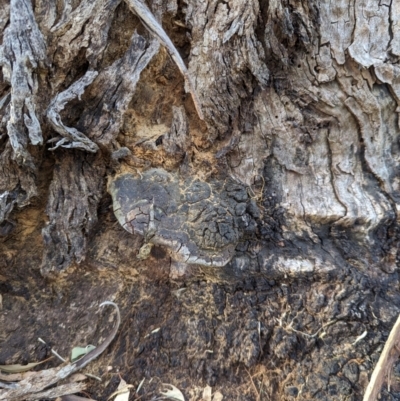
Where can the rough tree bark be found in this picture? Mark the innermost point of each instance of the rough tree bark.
(225, 171)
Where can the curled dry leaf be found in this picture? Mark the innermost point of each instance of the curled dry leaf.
(173, 394)
(122, 393)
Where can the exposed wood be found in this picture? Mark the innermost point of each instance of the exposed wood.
(389, 356)
(58, 391)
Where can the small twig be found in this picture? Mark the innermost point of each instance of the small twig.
(58, 391)
(93, 377)
(388, 356)
(316, 333)
(361, 337)
(254, 386)
(55, 353)
(71, 397)
(141, 176)
(140, 385)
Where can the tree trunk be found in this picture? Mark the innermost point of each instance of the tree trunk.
(226, 172)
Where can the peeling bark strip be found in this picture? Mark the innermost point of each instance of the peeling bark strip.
(86, 29)
(22, 53)
(22, 56)
(17, 187)
(177, 140)
(72, 209)
(71, 137)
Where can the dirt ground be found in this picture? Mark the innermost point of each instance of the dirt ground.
(248, 336)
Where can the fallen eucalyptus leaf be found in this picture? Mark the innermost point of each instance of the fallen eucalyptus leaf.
(173, 394)
(78, 352)
(17, 368)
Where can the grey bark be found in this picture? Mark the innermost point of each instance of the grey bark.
(281, 160)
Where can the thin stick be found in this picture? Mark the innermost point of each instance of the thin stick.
(388, 356)
(254, 386)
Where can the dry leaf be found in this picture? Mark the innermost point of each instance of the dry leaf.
(173, 394)
(218, 396)
(207, 393)
(17, 368)
(33, 388)
(122, 393)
